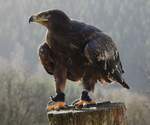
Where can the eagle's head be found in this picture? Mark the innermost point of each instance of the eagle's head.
(54, 20)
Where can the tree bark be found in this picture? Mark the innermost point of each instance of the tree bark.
(102, 114)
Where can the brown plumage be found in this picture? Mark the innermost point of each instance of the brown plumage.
(77, 51)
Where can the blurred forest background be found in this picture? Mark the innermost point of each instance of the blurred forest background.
(25, 86)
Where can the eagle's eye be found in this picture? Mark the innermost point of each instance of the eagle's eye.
(47, 15)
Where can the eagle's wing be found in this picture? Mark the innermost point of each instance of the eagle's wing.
(102, 54)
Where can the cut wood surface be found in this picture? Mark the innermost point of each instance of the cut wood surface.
(102, 114)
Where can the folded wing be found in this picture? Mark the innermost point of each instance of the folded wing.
(103, 55)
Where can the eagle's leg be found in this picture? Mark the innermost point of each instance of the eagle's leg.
(60, 75)
(47, 59)
(89, 81)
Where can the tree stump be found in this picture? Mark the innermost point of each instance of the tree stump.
(101, 114)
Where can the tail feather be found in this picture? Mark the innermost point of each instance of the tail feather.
(117, 77)
(124, 84)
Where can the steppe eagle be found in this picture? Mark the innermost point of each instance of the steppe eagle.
(77, 51)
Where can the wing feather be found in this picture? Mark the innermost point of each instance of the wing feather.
(102, 52)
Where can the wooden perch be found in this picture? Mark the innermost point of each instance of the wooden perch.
(102, 114)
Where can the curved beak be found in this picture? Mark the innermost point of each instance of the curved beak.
(32, 18)
(38, 19)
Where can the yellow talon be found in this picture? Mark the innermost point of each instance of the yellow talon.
(82, 103)
(56, 106)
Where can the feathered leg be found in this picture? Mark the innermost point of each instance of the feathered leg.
(52, 67)
(89, 81)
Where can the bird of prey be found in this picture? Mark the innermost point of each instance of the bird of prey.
(77, 51)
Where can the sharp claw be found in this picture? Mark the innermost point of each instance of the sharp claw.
(73, 103)
(50, 102)
(56, 106)
(89, 105)
(86, 104)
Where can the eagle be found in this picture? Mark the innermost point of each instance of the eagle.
(76, 51)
